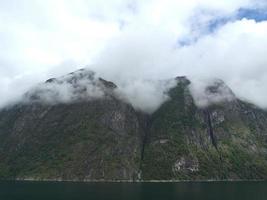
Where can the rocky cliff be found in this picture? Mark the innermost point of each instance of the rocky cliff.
(102, 137)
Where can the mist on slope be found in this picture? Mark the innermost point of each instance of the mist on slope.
(80, 85)
(86, 85)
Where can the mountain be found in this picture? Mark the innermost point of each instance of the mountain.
(77, 127)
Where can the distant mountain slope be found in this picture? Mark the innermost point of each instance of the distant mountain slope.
(74, 135)
(227, 140)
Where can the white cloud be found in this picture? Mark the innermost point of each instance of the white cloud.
(235, 54)
(131, 40)
(212, 91)
(146, 95)
(76, 86)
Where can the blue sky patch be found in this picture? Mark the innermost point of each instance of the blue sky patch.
(215, 24)
(258, 15)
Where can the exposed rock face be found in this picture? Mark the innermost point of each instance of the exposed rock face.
(185, 164)
(226, 140)
(105, 138)
(99, 138)
(93, 140)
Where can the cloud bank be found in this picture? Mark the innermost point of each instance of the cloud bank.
(77, 86)
(130, 42)
(85, 85)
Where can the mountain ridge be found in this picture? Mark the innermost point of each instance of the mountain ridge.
(106, 138)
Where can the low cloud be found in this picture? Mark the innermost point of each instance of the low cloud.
(207, 92)
(85, 85)
(146, 95)
(78, 86)
(134, 44)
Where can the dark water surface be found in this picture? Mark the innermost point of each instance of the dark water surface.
(11, 190)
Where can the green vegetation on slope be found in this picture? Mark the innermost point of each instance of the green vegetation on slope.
(106, 139)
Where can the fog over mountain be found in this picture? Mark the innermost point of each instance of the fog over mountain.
(136, 45)
(84, 85)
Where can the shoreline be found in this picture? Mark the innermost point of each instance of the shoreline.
(131, 181)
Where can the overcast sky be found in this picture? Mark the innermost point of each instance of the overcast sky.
(125, 40)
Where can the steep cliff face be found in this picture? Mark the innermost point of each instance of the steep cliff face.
(226, 140)
(96, 139)
(105, 138)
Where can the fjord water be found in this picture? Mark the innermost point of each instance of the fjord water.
(21, 190)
